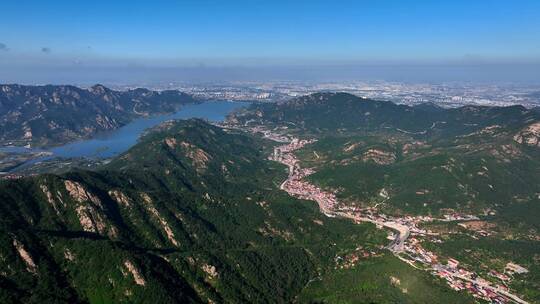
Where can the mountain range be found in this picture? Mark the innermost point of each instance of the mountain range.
(424, 163)
(471, 158)
(57, 114)
(193, 213)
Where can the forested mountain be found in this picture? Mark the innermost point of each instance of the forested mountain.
(427, 159)
(425, 162)
(56, 114)
(342, 112)
(194, 213)
(190, 214)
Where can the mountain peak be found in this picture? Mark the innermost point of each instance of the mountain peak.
(99, 89)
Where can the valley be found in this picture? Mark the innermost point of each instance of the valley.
(270, 152)
(406, 234)
(102, 147)
(265, 207)
(345, 169)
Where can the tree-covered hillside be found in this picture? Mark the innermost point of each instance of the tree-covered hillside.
(424, 159)
(429, 164)
(190, 214)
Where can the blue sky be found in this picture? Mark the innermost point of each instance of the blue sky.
(268, 33)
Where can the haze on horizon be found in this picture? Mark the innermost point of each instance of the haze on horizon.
(143, 41)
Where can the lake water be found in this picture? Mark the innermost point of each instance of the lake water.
(115, 142)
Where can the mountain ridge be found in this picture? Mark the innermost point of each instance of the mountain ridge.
(197, 209)
(330, 112)
(56, 114)
(472, 158)
(159, 218)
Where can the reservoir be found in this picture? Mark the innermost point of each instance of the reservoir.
(112, 143)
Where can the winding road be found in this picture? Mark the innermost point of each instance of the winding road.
(296, 186)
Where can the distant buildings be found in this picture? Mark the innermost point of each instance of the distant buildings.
(444, 94)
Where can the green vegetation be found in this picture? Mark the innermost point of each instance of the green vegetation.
(426, 159)
(380, 280)
(420, 180)
(422, 160)
(191, 209)
(485, 254)
(331, 113)
(193, 213)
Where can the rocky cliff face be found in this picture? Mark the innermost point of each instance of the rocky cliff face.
(529, 135)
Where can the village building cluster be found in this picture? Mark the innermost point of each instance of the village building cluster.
(405, 236)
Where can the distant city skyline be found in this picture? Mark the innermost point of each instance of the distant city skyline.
(392, 40)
